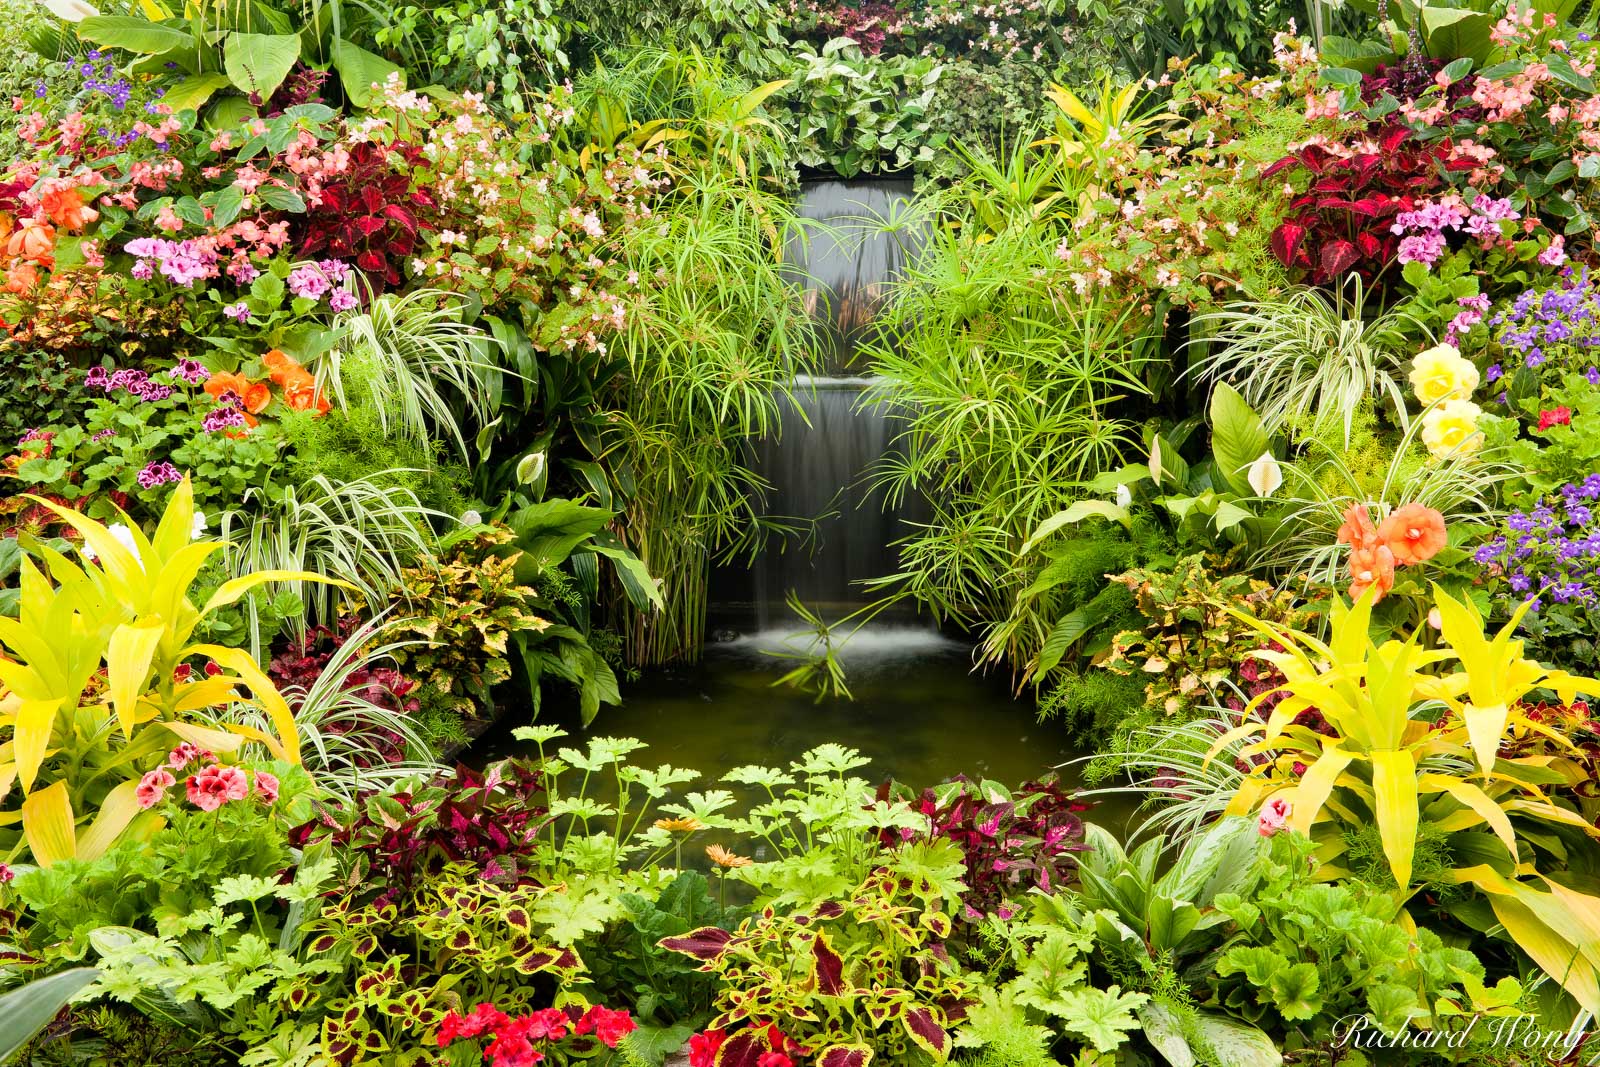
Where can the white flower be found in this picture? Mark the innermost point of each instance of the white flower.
(1264, 475)
(1124, 497)
(471, 517)
(197, 528)
(123, 536)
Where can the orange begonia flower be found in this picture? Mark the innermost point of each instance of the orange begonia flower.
(1357, 530)
(303, 395)
(280, 366)
(22, 278)
(1371, 566)
(34, 240)
(66, 209)
(1414, 533)
(254, 395)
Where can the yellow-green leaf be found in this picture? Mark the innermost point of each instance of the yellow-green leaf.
(47, 825)
(267, 695)
(116, 812)
(128, 665)
(1394, 785)
(35, 720)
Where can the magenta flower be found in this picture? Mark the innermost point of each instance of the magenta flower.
(237, 312)
(160, 473)
(1274, 817)
(309, 281)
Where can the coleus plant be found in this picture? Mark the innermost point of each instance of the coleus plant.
(1012, 842)
(489, 819)
(1344, 220)
(371, 214)
(854, 982)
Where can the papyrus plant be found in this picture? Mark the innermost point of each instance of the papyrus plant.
(92, 693)
(1391, 765)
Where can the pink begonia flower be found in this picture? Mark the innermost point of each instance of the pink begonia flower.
(215, 786)
(267, 786)
(153, 787)
(1274, 816)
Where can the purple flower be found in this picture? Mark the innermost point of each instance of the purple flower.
(191, 370)
(1494, 373)
(342, 300)
(103, 434)
(1593, 374)
(308, 282)
(237, 312)
(161, 473)
(222, 418)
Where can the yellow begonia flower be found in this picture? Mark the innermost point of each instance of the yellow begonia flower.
(1441, 373)
(1452, 429)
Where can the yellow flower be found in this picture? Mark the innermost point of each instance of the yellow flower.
(1441, 373)
(686, 825)
(1452, 429)
(723, 858)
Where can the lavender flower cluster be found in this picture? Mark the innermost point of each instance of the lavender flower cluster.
(1551, 554)
(101, 74)
(1561, 323)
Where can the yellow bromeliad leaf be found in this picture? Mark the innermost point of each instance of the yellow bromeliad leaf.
(266, 694)
(1394, 786)
(1477, 802)
(205, 693)
(116, 812)
(31, 737)
(235, 588)
(47, 825)
(122, 570)
(177, 523)
(1315, 785)
(128, 657)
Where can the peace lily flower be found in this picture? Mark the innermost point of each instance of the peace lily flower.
(1264, 475)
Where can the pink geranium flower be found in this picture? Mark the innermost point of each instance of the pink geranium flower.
(1274, 816)
(267, 786)
(153, 787)
(215, 786)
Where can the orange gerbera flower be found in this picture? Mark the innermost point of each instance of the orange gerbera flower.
(1371, 566)
(724, 858)
(1357, 530)
(1414, 533)
(66, 209)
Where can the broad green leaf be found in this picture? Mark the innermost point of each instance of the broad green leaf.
(1237, 437)
(133, 34)
(359, 70)
(258, 62)
(28, 1009)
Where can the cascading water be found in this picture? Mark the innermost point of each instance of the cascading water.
(819, 467)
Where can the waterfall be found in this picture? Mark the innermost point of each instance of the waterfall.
(820, 464)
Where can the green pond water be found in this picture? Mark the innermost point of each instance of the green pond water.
(919, 713)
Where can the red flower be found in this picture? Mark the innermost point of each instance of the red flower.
(215, 786)
(703, 1047)
(774, 1059)
(1555, 417)
(610, 1026)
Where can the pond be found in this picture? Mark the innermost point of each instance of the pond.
(919, 712)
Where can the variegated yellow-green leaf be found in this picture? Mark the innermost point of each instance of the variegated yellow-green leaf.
(31, 737)
(116, 812)
(235, 588)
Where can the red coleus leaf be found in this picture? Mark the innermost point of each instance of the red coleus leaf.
(829, 966)
(372, 261)
(743, 1049)
(1286, 241)
(926, 1030)
(1369, 245)
(1393, 138)
(1337, 258)
(845, 1056)
(705, 944)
